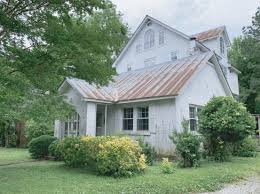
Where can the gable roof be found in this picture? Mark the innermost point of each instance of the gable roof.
(212, 33)
(140, 27)
(165, 80)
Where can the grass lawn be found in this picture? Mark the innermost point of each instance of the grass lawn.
(12, 155)
(54, 177)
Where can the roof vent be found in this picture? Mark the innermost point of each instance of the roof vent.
(149, 23)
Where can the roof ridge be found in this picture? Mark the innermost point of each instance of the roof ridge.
(211, 29)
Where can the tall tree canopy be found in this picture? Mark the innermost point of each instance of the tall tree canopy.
(245, 55)
(43, 41)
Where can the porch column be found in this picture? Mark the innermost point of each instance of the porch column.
(91, 119)
(57, 129)
(106, 119)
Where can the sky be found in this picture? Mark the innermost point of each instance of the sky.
(191, 16)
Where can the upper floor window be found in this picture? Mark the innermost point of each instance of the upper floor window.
(194, 119)
(173, 55)
(129, 67)
(128, 119)
(161, 37)
(143, 118)
(222, 46)
(148, 39)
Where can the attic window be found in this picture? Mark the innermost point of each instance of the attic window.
(129, 68)
(222, 46)
(148, 39)
(174, 56)
(161, 37)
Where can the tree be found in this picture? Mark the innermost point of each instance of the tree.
(244, 54)
(223, 122)
(44, 41)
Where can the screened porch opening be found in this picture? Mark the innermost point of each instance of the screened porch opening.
(71, 127)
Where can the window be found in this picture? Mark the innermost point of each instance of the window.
(149, 62)
(128, 119)
(148, 39)
(142, 118)
(138, 48)
(173, 55)
(161, 37)
(72, 125)
(222, 46)
(194, 111)
(129, 68)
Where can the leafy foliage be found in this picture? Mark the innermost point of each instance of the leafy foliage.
(55, 150)
(187, 146)
(224, 121)
(38, 147)
(44, 41)
(111, 156)
(34, 129)
(167, 166)
(148, 151)
(244, 54)
(247, 148)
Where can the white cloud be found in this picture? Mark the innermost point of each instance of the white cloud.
(191, 16)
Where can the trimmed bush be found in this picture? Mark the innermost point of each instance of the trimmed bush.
(224, 122)
(55, 150)
(38, 147)
(120, 157)
(167, 166)
(113, 156)
(248, 148)
(148, 151)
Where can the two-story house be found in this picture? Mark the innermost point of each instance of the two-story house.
(164, 76)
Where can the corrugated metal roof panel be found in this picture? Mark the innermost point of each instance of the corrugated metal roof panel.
(209, 33)
(155, 81)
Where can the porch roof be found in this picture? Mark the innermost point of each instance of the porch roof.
(163, 80)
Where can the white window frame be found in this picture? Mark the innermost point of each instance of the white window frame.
(72, 123)
(161, 37)
(128, 119)
(194, 117)
(174, 56)
(140, 117)
(149, 40)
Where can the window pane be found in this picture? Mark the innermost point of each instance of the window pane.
(128, 124)
(143, 112)
(143, 124)
(161, 37)
(192, 112)
(128, 112)
(193, 125)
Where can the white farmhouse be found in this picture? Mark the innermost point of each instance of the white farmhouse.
(164, 76)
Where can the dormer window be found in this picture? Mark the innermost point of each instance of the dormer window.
(161, 37)
(149, 39)
(222, 46)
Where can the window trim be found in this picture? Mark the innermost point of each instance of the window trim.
(149, 39)
(161, 38)
(71, 121)
(196, 118)
(127, 119)
(141, 118)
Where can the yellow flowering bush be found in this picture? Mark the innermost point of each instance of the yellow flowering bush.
(114, 156)
(167, 166)
(120, 157)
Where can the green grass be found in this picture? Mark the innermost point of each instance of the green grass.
(12, 155)
(54, 177)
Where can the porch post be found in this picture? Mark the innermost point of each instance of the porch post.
(105, 119)
(91, 119)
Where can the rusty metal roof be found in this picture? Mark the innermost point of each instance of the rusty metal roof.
(150, 82)
(212, 33)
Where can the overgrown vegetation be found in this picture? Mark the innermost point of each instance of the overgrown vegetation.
(187, 146)
(113, 156)
(167, 166)
(223, 123)
(148, 151)
(246, 148)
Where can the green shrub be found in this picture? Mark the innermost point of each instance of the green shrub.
(34, 129)
(113, 156)
(73, 151)
(167, 166)
(187, 146)
(120, 157)
(247, 148)
(38, 147)
(55, 150)
(223, 122)
(148, 151)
